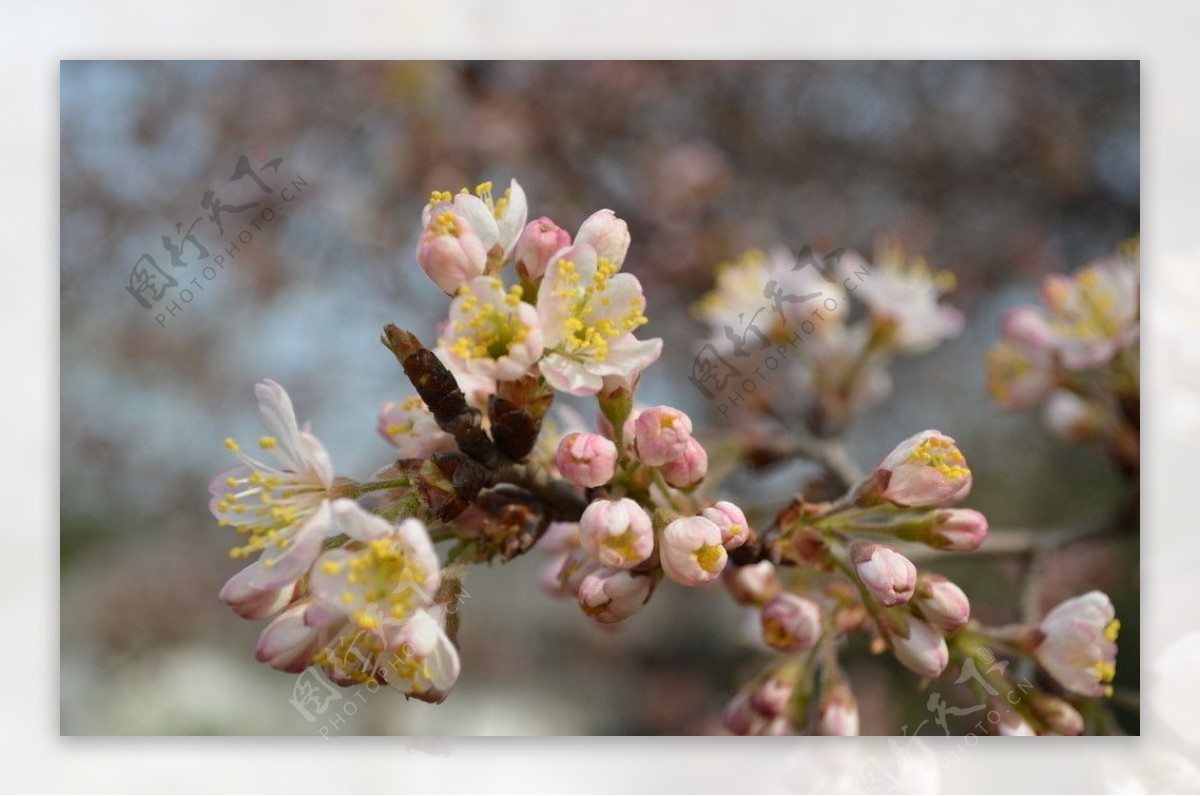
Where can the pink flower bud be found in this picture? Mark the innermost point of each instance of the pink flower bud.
(661, 434)
(919, 647)
(838, 711)
(732, 522)
(926, 469)
(538, 243)
(607, 234)
(1059, 715)
(888, 575)
(791, 623)
(960, 530)
(1078, 644)
(288, 644)
(617, 532)
(610, 595)
(586, 459)
(450, 251)
(942, 603)
(689, 469)
(753, 584)
(772, 697)
(740, 716)
(691, 551)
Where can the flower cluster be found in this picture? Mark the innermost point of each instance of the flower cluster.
(363, 578)
(644, 519)
(1077, 355)
(838, 368)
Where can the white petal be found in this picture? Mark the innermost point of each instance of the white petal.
(275, 570)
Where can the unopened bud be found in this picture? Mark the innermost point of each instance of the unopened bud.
(1059, 715)
(587, 460)
(539, 241)
(610, 595)
(887, 575)
(732, 522)
(919, 646)
(942, 603)
(661, 434)
(926, 469)
(752, 584)
(837, 713)
(690, 551)
(617, 532)
(689, 468)
(791, 623)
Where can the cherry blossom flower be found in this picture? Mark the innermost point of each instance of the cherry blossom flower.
(469, 235)
(282, 508)
(1094, 312)
(388, 572)
(492, 333)
(411, 428)
(903, 294)
(927, 469)
(1079, 644)
(588, 314)
(424, 663)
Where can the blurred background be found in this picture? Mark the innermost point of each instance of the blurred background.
(999, 172)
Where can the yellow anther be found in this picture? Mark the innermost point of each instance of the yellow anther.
(709, 557)
(1112, 629)
(230, 445)
(266, 443)
(331, 567)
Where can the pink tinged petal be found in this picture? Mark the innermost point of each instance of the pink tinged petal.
(423, 557)
(316, 458)
(479, 217)
(607, 234)
(328, 585)
(569, 376)
(275, 569)
(249, 602)
(279, 417)
(628, 356)
(444, 664)
(512, 220)
(923, 651)
(358, 523)
(288, 644)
